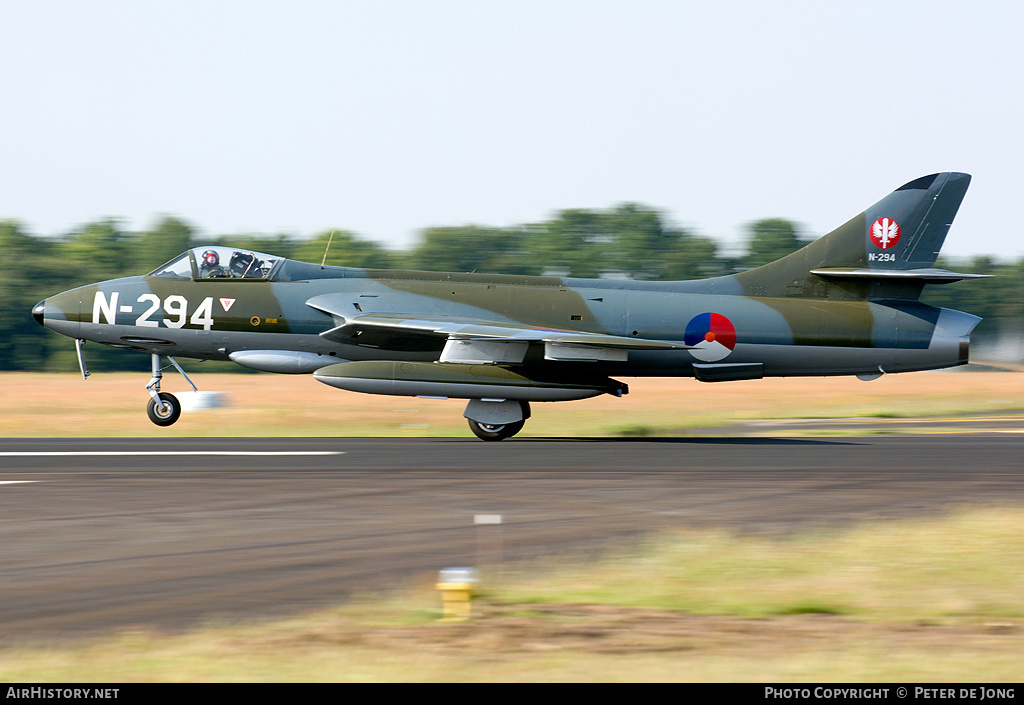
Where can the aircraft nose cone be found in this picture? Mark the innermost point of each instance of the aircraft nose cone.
(38, 310)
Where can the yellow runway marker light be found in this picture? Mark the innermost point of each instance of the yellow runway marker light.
(456, 586)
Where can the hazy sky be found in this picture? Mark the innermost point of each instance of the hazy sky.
(386, 117)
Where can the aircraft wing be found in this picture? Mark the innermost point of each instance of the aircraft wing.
(477, 341)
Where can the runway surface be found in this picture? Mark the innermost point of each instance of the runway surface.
(101, 534)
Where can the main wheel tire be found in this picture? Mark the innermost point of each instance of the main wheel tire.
(495, 432)
(165, 413)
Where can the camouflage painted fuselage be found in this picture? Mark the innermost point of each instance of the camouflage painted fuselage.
(794, 334)
(845, 304)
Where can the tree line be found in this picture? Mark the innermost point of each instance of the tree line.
(629, 241)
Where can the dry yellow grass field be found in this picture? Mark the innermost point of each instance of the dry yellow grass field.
(33, 405)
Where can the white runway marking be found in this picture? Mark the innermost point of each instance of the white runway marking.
(16, 482)
(72, 453)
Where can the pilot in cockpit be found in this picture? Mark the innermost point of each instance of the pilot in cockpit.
(209, 267)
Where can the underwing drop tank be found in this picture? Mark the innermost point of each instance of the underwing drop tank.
(458, 381)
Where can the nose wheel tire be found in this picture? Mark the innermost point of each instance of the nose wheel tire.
(165, 413)
(495, 432)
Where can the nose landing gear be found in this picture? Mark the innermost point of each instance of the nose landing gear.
(164, 408)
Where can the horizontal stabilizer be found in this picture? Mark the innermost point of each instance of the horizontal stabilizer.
(927, 276)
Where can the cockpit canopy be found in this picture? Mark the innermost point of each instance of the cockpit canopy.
(215, 262)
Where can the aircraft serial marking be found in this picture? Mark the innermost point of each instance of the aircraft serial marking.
(175, 306)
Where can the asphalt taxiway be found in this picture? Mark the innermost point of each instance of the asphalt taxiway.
(100, 534)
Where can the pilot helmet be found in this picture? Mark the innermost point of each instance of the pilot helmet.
(210, 258)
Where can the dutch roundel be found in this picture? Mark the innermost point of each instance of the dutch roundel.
(711, 335)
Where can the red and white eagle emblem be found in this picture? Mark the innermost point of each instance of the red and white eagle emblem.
(885, 232)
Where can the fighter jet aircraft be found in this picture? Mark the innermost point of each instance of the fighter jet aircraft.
(846, 304)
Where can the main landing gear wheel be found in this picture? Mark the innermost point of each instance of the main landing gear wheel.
(495, 432)
(166, 412)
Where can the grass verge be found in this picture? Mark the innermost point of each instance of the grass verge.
(922, 600)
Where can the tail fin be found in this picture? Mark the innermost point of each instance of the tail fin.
(888, 251)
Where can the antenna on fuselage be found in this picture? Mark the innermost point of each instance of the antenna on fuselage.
(327, 249)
